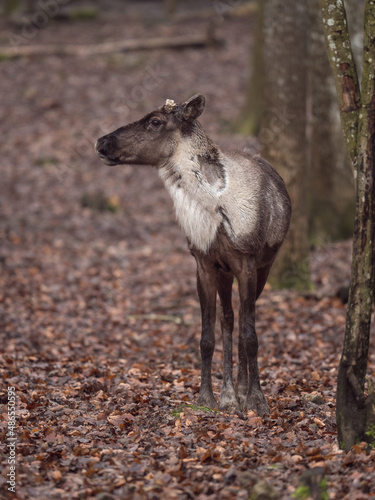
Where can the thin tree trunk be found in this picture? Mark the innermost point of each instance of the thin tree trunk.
(357, 110)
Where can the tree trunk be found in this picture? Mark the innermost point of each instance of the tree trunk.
(357, 109)
(250, 118)
(322, 149)
(283, 132)
(331, 190)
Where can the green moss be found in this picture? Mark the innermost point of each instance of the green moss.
(46, 161)
(293, 276)
(84, 14)
(180, 409)
(323, 489)
(342, 445)
(4, 57)
(100, 202)
(11, 6)
(248, 124)
(128, 61)
(302, 492)
(370, 434)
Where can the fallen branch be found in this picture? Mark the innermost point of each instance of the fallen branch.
(156, 317)
(176, 42)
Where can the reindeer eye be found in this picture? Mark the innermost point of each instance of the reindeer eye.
(156, 122)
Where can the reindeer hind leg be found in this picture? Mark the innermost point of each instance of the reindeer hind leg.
(249, 390)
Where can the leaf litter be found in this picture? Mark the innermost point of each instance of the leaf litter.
(99, 314)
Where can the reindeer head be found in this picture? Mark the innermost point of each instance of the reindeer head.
(152, 139)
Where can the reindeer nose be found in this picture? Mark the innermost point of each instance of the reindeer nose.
(102, 145)
(106, 149)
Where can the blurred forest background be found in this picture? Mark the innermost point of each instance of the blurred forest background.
(99, 318)
(279, 96)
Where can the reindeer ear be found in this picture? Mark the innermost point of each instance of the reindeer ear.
(193, 107)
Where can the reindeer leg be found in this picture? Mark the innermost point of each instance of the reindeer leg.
(243, 374)
(206, 282)
(251, 397)
(228, 399)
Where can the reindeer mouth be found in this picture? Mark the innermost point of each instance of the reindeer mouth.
(108, 161)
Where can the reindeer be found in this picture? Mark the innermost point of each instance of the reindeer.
(234, 210)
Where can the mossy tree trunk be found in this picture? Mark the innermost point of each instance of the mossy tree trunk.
(249, 121)
(354, 412)
(283, 131)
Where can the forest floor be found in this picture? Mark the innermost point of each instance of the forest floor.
(100, 322)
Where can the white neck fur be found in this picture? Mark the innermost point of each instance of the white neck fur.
(195, 199)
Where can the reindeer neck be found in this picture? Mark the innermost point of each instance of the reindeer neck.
(196, 156)
(195, 179)
(201, 145)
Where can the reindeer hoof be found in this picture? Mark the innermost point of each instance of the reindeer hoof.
(228, 402)
(242, 401)
(258, 403)
(207, 400)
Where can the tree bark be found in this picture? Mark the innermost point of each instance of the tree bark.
(283, 131)
(357, 111)
(344, 71)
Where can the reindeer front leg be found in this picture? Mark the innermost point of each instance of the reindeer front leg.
(206, 283)
(228, 398)
(250, 393)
